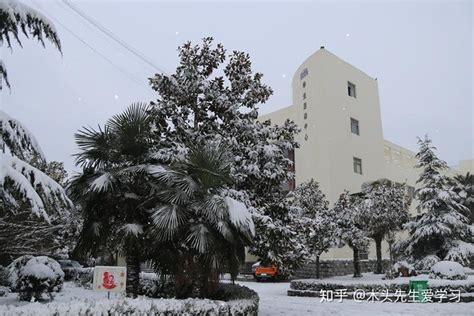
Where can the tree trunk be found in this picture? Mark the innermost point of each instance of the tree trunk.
(378, 249)
(133, 275)
(355, 251)
(317, 267)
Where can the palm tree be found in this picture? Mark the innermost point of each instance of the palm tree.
(113, 186)
(202, 231)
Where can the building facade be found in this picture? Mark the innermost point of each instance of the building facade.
(342, 146)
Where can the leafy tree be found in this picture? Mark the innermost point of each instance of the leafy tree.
(200, 229)
(17, 18)
(441, 229)
(114, 186)
(55, 170)
(350, 229)
(383, 209)
(210, 97)
(318, 227)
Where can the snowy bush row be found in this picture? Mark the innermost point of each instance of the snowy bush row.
(146, 306)
(380, 285)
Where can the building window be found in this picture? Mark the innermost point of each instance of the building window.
(410, 192)
(351, 89)
(306, 137)
(303, 73)
(304, 96)
(304, 106)
(305, 116)
(304, 84)
(305, 125)
(355, 126)
(357, 165)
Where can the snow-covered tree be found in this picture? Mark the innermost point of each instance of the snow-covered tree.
(55, 170)
(318, 222)
(212, 97)
(17, 18)
(33, 205)
(441, 229)
(383, 209)
(114, 186)
(350, 230)
(463, 185)
(200, 229)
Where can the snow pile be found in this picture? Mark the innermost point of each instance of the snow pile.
(448, 270)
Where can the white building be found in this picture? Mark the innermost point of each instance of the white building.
(341, 144)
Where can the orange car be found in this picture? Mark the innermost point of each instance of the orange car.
(266, 272)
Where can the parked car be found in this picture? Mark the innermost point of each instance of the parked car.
(266, 272)
(70, 268)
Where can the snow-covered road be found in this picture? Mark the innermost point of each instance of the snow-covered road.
(274, 301)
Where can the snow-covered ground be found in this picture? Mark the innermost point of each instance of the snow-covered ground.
(274, 301)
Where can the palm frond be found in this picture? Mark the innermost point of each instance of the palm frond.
(167, 219)
(199, 238)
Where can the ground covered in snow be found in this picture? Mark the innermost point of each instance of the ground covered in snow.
(273, 301)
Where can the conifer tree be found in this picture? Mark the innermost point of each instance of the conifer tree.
(441, 229)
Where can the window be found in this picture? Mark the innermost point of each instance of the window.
(306, 137)
(305, 116)
(355, 126)
(351, 89)
(304, 96)
(305, 125)
(304, 106)
(303, 73)
(357, 165)
(363, 255)
(411, 192)
(304, 84)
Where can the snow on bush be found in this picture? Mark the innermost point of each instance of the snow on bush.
(38, 277)
(427, 262)
(242, 301)
(84, 277)
(375, 282)
(448, 270)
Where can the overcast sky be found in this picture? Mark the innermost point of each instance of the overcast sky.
(420, 51)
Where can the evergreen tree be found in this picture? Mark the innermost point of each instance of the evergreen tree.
(350, 229)
(17, 18)
(318, 222)
(463, 185)
(441, 229)
(384, 209)
(211, 97)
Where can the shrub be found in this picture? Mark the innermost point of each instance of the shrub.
(14, 268)
(4, 277)
(448, 270)
(84, 277)
(152, 285)
(427, 262)
(39, 277)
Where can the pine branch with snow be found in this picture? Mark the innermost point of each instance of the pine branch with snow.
(19, 18)
(441, 229)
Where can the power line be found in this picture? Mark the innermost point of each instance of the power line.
(111, 35)
(123, 71)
